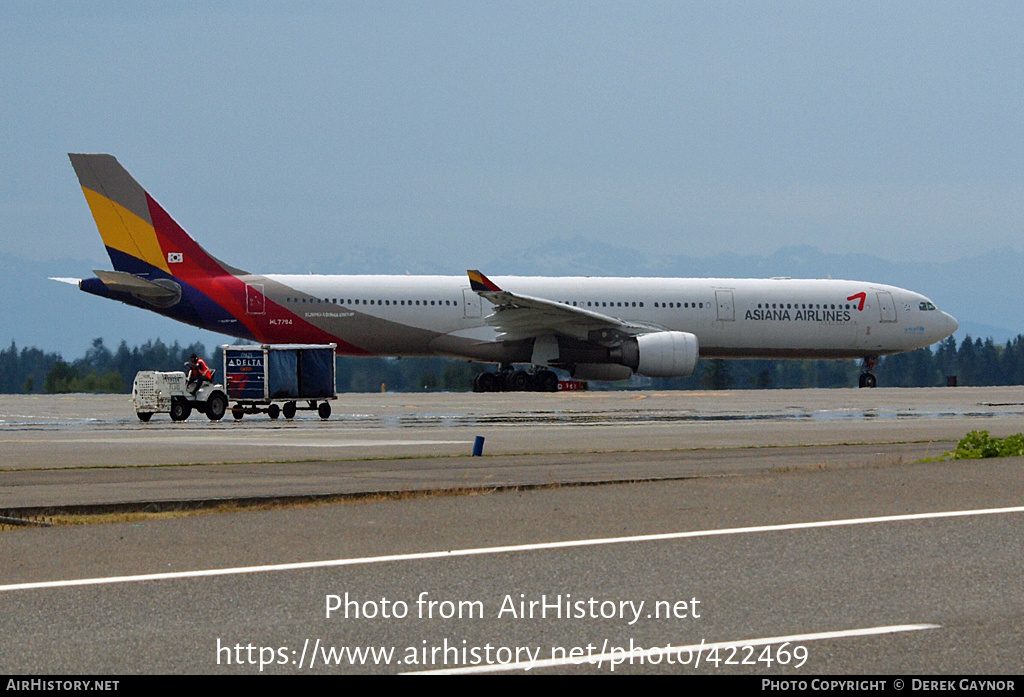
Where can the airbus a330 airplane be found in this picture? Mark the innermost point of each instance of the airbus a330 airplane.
(596, 328)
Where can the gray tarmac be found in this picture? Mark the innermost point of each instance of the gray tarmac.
(745, 471)
(84, 450)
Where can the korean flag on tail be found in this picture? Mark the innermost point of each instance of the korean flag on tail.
(175, 257)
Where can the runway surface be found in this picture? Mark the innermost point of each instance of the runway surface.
(86, 450)
(795, 518)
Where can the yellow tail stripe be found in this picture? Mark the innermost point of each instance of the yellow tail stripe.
(124, 231)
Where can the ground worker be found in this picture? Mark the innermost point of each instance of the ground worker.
(198, 373)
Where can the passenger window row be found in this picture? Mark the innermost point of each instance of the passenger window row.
(602, 303)
(363, 301)
(598, 303)
(805, 306)
(450, 303)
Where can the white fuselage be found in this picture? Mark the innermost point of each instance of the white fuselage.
(734, 318)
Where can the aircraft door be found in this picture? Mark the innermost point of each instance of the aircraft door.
(255, 304)
(726, 308)
(886, 307)
(471, 303)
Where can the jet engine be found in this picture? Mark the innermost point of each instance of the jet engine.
(659, 354)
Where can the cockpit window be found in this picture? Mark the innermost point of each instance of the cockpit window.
(927, 306)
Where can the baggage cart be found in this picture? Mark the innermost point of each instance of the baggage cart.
(276, 379)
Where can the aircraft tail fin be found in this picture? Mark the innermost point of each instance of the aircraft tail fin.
(140, 237)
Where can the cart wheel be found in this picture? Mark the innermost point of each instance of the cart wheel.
(273, 411)
(289, 410)
(216, 405)
(180, 409)
(237, 412)
(145, 416)
(324, 410)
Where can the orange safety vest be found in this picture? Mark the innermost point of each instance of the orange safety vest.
(203, 369)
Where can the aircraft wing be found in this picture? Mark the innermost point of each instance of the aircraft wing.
(522, 316)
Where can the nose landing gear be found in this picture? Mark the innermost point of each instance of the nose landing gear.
(867, 378)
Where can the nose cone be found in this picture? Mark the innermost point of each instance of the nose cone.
(947, 325)
(951, 324)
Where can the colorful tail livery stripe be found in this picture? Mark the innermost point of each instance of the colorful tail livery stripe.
(479, 282)
(120, 208)
(144, 241)
(139, 234)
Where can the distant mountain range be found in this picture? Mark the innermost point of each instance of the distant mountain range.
(983, 291)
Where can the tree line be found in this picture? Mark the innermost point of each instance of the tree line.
(972, 362)
(31, 370)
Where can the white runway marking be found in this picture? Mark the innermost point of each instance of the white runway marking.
(479, 551)
(692, 652)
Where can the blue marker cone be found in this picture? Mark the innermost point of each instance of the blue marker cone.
(478, 446)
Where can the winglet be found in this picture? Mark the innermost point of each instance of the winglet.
(479, 282)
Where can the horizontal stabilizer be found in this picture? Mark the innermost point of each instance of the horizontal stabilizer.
(157, 294)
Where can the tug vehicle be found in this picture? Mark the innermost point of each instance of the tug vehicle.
(156, 392)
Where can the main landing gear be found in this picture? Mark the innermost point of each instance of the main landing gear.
(867, 378)
(508, 379)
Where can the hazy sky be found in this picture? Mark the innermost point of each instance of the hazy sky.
(281, 134)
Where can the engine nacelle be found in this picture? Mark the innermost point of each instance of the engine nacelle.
(660, 354)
